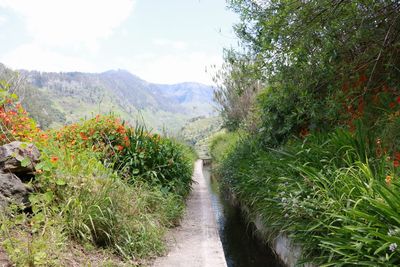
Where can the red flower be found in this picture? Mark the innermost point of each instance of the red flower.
(392, 104)
(396, 163)
(120, 148)
(398, 99)
(362, 78)
(54, 159)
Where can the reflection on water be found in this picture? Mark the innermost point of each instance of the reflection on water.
(241, 248)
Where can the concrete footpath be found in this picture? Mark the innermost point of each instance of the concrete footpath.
(196, 242)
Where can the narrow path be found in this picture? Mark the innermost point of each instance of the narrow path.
(196, 242)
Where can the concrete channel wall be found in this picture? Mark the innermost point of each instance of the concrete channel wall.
(288, 252)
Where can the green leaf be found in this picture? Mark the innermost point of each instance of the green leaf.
(60, 182)
(25, 162)
(48, 196)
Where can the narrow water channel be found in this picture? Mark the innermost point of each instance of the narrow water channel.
(241, 247)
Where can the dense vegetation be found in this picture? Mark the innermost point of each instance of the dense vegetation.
(100, 184)
(313, 93)
(198, 132)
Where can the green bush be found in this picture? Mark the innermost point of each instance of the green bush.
(156, 160)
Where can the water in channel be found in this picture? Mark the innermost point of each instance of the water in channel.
(241, 247)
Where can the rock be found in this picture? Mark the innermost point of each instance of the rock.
(4, 260)
(15, 153)
(13, 190)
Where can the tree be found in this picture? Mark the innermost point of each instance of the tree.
(317, 57)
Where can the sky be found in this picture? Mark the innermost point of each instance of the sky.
(161, 41)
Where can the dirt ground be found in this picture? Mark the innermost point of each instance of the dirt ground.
(196, 242)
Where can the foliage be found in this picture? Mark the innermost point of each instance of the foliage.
(34, 101)
(321, 62)
(156, 160)
(134, 152)
(335, 194)
(320, 163)
(79, 196)
(102, 134)
(198, 133)
(222, 144)
(14, 121)
(237, 86)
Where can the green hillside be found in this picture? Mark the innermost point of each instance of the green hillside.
(54, 99)
(199, 131)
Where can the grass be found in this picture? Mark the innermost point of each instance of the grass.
(330, 193)
(82, 196)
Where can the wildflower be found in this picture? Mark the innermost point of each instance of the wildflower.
(83, 135)
(398, 99)
(121, 129)
(393, 247)
(388, 179)
(396, 163)
(120, 148)
(392, 232)
(392, 104)
(54, 159)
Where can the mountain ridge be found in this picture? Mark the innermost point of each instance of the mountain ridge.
(81, 95)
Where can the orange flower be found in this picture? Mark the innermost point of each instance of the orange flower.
(54, 159)
(120, 148)
(83, 135)
(121, 129)
(388, 179)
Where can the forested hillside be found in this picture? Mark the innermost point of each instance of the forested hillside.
(311, 100)
(57, 98)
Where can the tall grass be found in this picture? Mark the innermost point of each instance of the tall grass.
(329, 192)
(94, 186)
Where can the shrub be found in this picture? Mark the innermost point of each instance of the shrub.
(14, 121)
(156, 160)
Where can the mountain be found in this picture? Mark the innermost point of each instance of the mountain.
(76, 95)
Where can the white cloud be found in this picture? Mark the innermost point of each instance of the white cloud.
(34, 57)
(173, 68)
(70, 22)
(170, 43)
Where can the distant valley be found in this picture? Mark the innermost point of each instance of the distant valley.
(60, 98)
